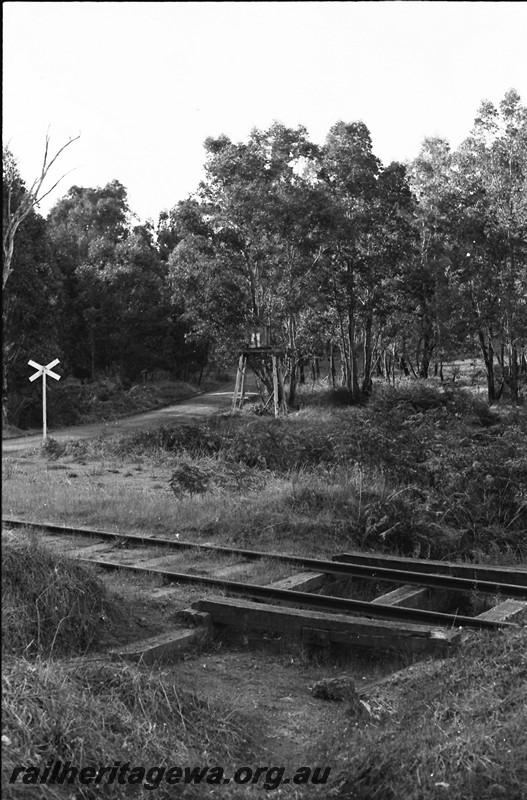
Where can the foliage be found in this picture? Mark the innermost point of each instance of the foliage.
(422, 470)
(72, 403)
(381, 269)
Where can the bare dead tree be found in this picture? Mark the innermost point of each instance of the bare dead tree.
(15, 211)
(14, 216)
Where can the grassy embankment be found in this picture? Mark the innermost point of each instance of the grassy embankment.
(417, 471)
(60, 702)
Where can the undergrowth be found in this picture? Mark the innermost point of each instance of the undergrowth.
(72, 403)
(456, 731)
(85, 709)
(419, 470)
(50, 606)
(94, 713)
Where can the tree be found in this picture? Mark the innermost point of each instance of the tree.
(248, 257)
(20, 201)
(491, 226)
(32, 313)
(366, 238)
(432, 181)
(87, 227)
(18, 204)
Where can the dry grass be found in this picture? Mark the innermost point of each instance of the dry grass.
(93, 713)
(50, 605)
(456, 731)
(85, 709)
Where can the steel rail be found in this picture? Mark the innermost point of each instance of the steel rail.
(256, 592)
(365, 571)
(487, 572)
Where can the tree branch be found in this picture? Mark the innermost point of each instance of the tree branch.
(30, 198)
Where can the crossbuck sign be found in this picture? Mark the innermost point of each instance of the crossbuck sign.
(47, 370)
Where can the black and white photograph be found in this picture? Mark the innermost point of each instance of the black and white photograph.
(264, 407)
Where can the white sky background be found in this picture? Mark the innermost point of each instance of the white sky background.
(146, 83)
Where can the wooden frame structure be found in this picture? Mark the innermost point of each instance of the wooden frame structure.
(278, 395)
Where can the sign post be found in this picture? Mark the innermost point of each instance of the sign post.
(47, 370)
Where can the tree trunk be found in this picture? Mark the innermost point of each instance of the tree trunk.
(487, 351)
(368, 352)
(353, 378)
(404, 367)
(301, 369)
(294, 357)
(332, 365)
(418, 357)
(4, 373)
(513, 372)
(428, 349)
(292, 384)
(387, 365)
(4, 391)
(414, 373)
(343, 367)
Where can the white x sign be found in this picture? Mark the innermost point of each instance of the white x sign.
(44, 370)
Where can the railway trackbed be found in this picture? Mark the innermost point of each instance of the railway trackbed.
(310, 599)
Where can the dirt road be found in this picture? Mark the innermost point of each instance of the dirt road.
(199, 406)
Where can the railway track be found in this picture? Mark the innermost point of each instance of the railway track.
(288, 606)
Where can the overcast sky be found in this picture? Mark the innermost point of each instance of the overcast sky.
(145, 83)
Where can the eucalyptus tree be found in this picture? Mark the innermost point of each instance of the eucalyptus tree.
(388, 249)
(249, 254)
(116, 315)
(491, 224)
(367, 238)
(349, 174)
(426, 286)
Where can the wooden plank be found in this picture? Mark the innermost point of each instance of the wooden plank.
(242, 381)
(300, 582)
(194, 618)
(275, 386)
(406, 597)
(245, 614)
(508, 611)
(163, 648)
(317, 637)
(72, 542)
(241, 364)
(281, 385)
